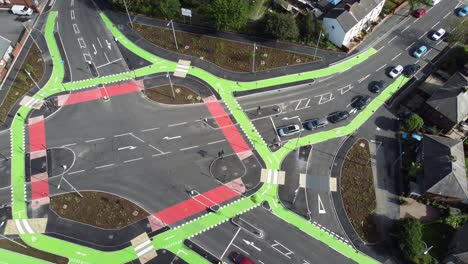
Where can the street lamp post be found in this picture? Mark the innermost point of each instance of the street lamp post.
(173, 32)
(318, 41)
(126, 9)
(30, 77)
(168, 75)
(30, 33)
(253, 57)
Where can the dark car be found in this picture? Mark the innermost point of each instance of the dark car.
(238, 258)
(411, 70)
(316, 123)
(338, 116)
(361, 102)
(419, 12)
(377, 86)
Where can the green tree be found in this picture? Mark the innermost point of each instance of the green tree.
(310, 28)
(418, 3)
(411, 244)
(168, 8)
(280, 26)
(228, 14)
(413, 122)
(460, 30)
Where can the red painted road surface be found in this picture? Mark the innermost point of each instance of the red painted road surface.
(98, 93)
(230, 131)
(195, 205)
(37, 139)
(39, 189)
(37, 146)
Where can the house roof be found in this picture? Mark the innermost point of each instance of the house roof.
(458, 248)
(451, 100)
(4, 44)
(359, 9)
(444, 167)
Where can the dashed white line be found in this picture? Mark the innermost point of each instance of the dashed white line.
(105, 55)
(96, 139)
(100, 44)
(214, 142)
(438, 42)
(435, 24)
(232, 240)
(76, 29)
(394, 58)
(380, 48)
(325, 79)
(178, 124)
(155, 148)
(363, 78)
(417, 61)
(72, 14)
(131, 160)
(139, 139)
(240, 249)
(121, 135)
(74, 172)
(105, 166)
(381, 67)
(155, 155)
(182, 149)
(448, 14)
(68, 145)
(149, 129)
(424, 34)
(392, 39)
(410, 45)
(405, 29)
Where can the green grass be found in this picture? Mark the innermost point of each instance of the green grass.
(388, 7)
(439, 236)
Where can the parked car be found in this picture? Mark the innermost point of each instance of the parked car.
(377, 86)
(395, 72)
(420, 51)
(411, 70)
(21, 10)
(289, 130)
(338, 116)
(361, 102)
(438, 34)
(316, 123)
(420, 12)
(463, 11)
(238, 258)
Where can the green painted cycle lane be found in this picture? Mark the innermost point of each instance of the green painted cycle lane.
(11, 257)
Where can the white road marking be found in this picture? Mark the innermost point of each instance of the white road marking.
(105, 55)
(252, 244)
(448, 14)
(438, 42)
(155, 148)
(326, 100)
(72, 2)
(170, 138)
(410, 45)
(392, 39)
(149, 129)
(132, 160)
(381, 67)
(75, 172)
(178, 124)
(435, 24)
(394, 58)
(283, 247)
(241, 249)
(182, 149)
(110, 62)
(127, 147)
(325, 79)
(95, 51)
(232, 240)
(417, 61)
(155, 155)
(345, 89)
(424, 34)
(321, 208)
(96, 139)
(121, 135)
(87, 57)
(363, 78)
(380, 48)
(427, 52)
(105, 166)
(76, 29)
(100, 44)
(139, 139)
(405, 29)
(108, 44)
(82, 43)
(214, 142)
(68, 145)
(72, 14)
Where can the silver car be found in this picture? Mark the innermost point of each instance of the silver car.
(288, 130)
(316, 123)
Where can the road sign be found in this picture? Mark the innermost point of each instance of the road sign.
(186, 12)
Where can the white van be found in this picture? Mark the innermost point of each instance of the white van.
(435, 2)
(21, 10)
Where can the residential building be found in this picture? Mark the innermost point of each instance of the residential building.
(444, 172)
(458, 248)
(348, 18)
(5, 56)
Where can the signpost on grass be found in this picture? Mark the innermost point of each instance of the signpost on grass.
(187, 12)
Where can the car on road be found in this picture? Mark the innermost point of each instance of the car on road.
(420, 12)
(289, 130)
(238, 258)
(419, 52)
(361, 102)
(395, 72)
(21, 10)
(438, 34)
(316, 123)
(411, 70)
(377, 86)
(338, 116)
(463, 11)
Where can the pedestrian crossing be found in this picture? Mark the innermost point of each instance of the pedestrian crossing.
(32, 102)
(143, 248)
(272, 176)
(182, 68)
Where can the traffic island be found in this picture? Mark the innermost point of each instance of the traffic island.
(175, 94)
(358, 192)
(97, 209)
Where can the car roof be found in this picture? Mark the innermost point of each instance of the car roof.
(423, 47)
(399, 67)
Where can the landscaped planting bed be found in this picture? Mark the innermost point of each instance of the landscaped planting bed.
(163, 94)
(32, 252)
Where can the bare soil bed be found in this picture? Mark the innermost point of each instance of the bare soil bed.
(230, 55)
(357, 191)
(29, 251)
(98, 209)
(163, 94)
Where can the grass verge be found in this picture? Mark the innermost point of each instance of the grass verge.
(230, 55)
(22, 84)
(357, 190)
(163, 94)
(98, 209)
(5, 244)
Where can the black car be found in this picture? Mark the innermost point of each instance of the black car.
(411, 70)
(377, 86)
(361, 102)
(338, 116)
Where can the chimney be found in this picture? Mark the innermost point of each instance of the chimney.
(348, 7)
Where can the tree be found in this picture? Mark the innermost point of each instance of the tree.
(310, 28)
(168, 8)
(228, 14)
(460, 30)
(280, 26)
(413, 122)
(411, 244)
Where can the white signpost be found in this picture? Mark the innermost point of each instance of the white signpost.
(187, 12)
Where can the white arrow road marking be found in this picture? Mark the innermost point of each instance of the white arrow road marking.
(95, 51)
(251, 244)
(321, 208)
(170, 138)
(127, 147)
(108, 44)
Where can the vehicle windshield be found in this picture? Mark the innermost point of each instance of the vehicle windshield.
(25, 9)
